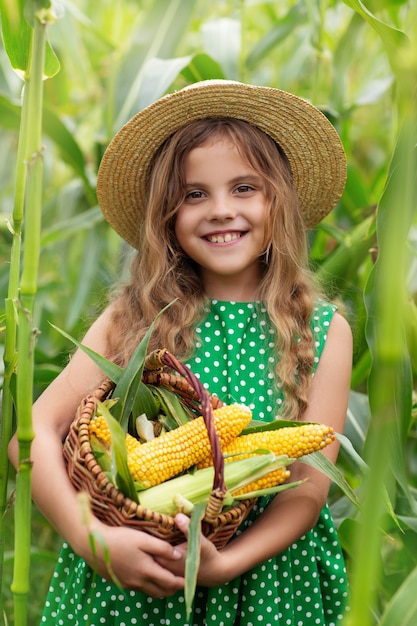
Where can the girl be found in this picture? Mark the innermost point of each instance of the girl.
(214, 186)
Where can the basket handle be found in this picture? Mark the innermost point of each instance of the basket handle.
(156, 360)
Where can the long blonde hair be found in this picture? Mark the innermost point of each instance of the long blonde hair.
(161, 272)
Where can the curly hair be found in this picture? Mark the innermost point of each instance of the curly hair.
(161, 273)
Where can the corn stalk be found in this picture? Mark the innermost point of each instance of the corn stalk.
(390, 380)
(23, 284)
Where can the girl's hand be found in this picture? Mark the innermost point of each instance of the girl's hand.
(135, 559)
(213, 564)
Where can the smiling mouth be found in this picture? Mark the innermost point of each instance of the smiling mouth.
(219, 238)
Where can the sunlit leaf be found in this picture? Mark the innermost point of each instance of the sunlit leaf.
(222, 41)
(158, 75)
(17, 36)
(393, 38)
(202, 67)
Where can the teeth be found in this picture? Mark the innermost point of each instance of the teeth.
(223, 238)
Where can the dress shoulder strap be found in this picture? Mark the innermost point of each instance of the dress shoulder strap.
(320, 322)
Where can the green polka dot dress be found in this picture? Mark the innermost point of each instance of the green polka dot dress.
(305, 585)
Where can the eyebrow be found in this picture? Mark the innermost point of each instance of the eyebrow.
(247, 178)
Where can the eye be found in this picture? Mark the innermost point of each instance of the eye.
(194, 195)
(244, 189)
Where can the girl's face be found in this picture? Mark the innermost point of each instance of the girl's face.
(221, 223)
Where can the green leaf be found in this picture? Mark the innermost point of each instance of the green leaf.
(55, 129)
(157, 36)
(402, 608)
(222, 41)
(192, 562)
(128, 383)
(319, 461)
(158, 75)
(145, 402)
(17, 36)
(258, 426)
(111, 370)
(351, 453)
(202, 67)
(67, 228)
(296, 16)
(101, 453)
(69, 149)
(392, 38)
(171, 405)
(9, 113)
(121, 475)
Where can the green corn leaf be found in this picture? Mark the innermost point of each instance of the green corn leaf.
(96, 538)
(17, 34)
(350, 451)
(9, 113)
(392, 38)
(168, 422)
(111, 370)
(61, 231)
(171, 405)
(402, 608)
(122, 478)
(128, 383)
(101, 453)
(69, 148)
(348, 448)
(296, 16)
(319, 461)
(129, 386)
(202, 67)
(145, 402)
(192, 561)
(258, 426)
(196, 487)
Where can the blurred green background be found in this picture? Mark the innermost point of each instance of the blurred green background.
(358, 64)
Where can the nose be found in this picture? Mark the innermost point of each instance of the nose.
(221, 207)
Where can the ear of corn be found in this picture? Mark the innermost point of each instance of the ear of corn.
(196, 487)
(294, 441)
(173, 452)
(271, 479)
(98, 428)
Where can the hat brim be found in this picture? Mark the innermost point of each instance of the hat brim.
(309, 141)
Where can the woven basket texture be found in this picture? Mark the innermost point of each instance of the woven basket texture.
(115, 509)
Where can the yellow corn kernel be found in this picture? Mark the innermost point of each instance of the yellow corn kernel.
(173, 452)
(276, 477)
(294, 441)
(98, 427)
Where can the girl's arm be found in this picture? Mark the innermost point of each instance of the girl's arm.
(294, 512)
(132, 552)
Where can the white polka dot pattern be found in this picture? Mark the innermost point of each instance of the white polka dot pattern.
(305, 585)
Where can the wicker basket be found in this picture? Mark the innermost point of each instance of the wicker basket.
(114, 508)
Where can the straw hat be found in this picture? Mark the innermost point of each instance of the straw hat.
(308, 139)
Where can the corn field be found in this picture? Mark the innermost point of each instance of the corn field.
(71, 73)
